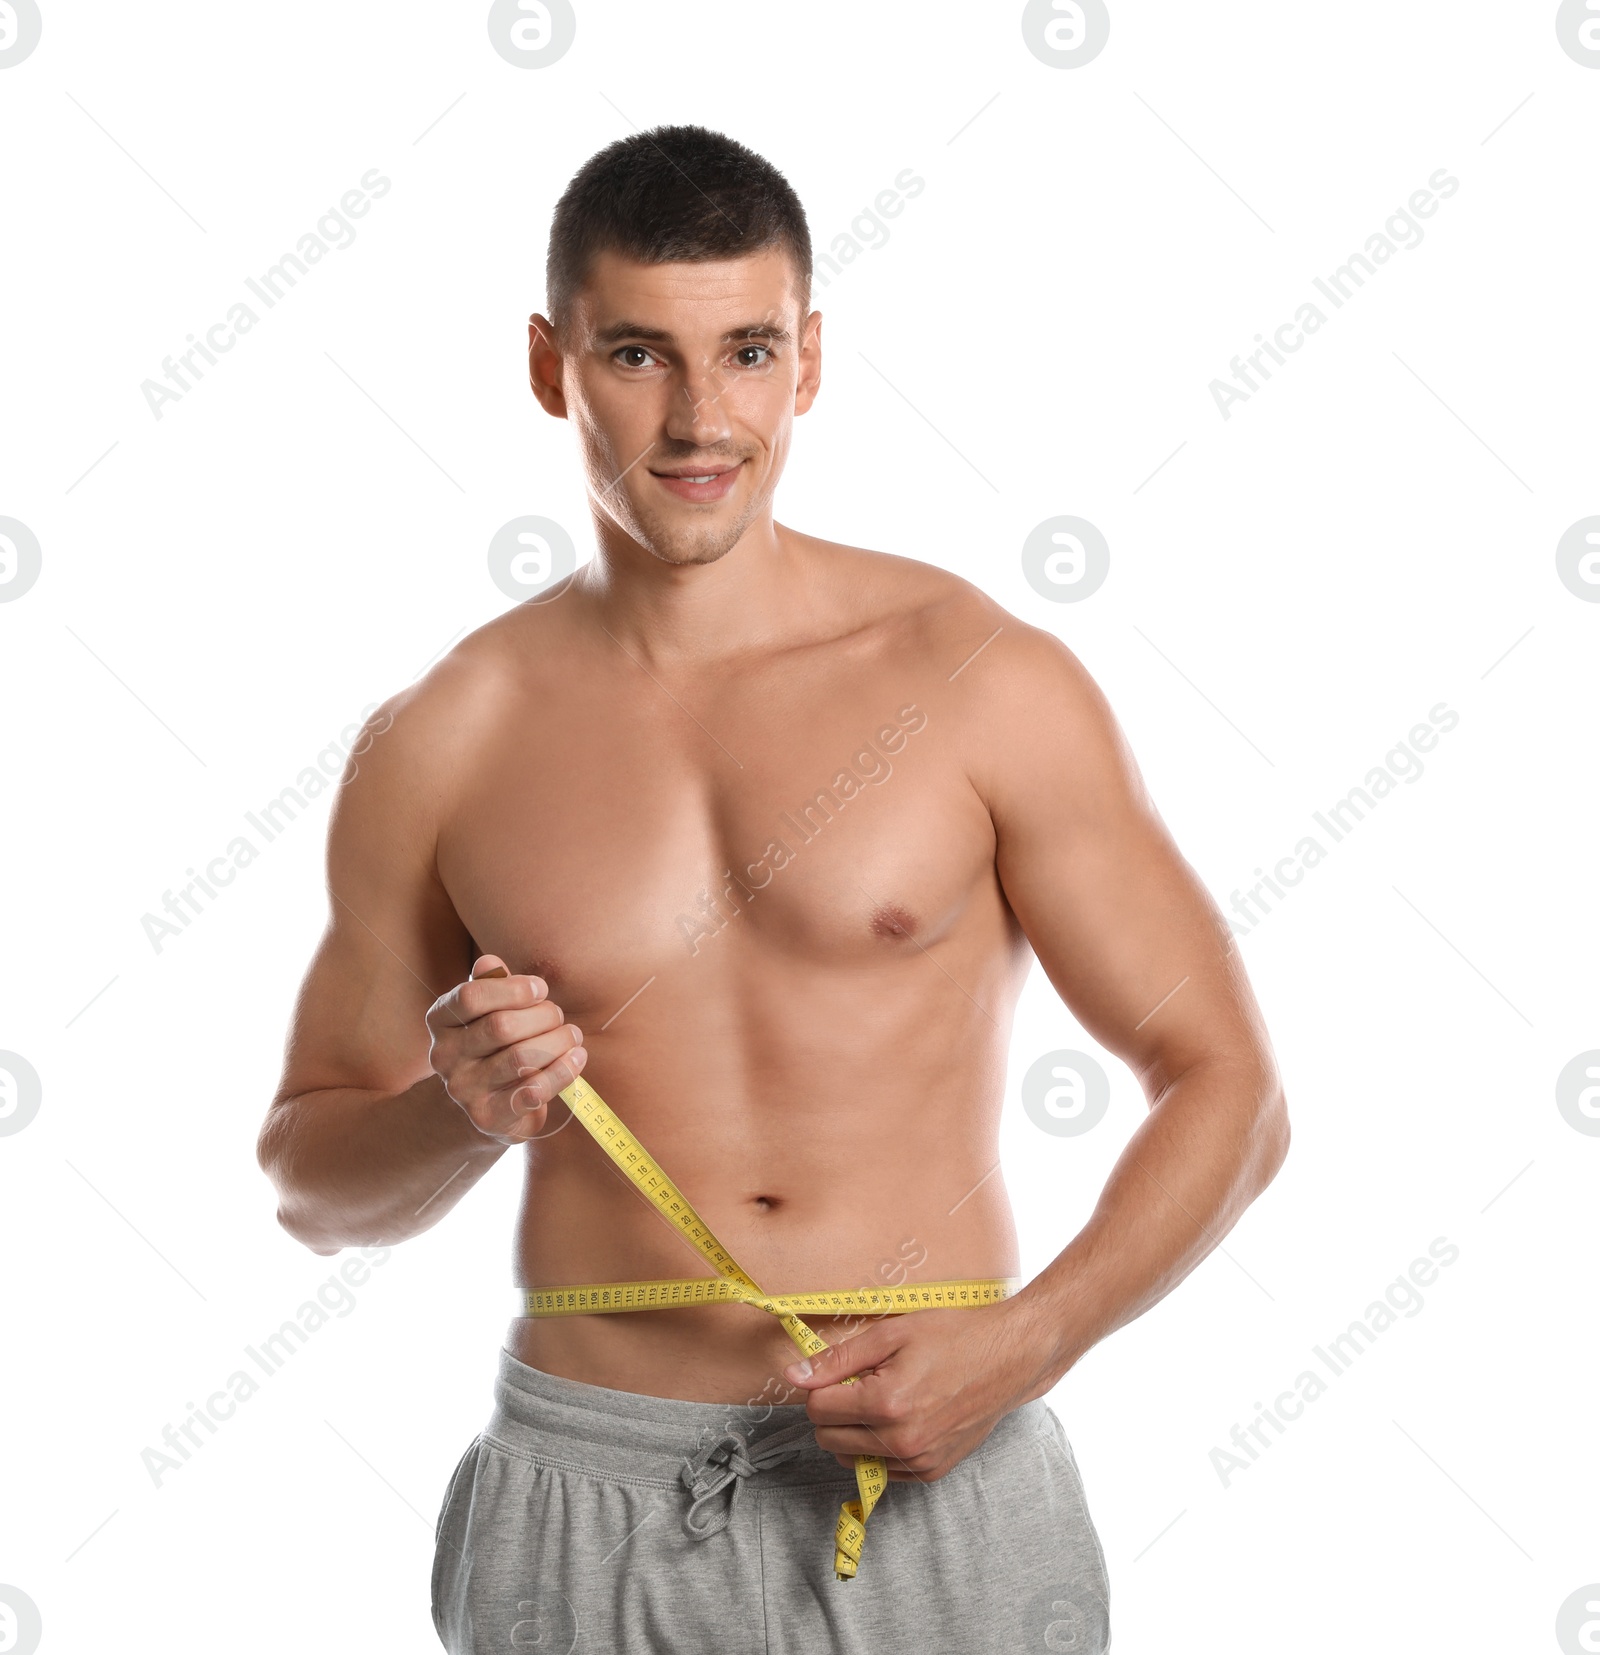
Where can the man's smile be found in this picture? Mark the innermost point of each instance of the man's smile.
(706, 482)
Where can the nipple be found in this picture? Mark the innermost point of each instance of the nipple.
(889, 919)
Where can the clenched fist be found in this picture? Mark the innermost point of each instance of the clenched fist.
(503, 1050)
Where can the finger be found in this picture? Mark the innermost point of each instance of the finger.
(523, 1060)
(858, 1354)
(533, 1091)
(516, 1122)
(848, 1443)
(499, 1031)
(905, 1438)
(519, 1110)
(480, 995)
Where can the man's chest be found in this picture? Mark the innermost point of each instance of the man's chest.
(646, 832)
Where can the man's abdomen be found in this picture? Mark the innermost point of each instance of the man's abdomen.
(876, 1232)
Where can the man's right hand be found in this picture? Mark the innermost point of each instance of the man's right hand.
(503, 1050)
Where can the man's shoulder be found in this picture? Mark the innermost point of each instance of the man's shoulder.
(506, 658)
(434, 724)
(941, 615)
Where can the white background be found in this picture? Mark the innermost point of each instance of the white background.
(225, 588)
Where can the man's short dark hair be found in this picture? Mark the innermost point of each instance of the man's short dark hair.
(674, 193)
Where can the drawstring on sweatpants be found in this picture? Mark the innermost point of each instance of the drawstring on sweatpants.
(724, 1463)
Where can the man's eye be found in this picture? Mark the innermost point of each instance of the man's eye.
(762, 354)
(634, 356)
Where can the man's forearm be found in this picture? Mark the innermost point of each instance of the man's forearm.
(355, 1168)
(1211, 1143)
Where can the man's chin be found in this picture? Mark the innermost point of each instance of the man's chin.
(686, 557)
(673, 545)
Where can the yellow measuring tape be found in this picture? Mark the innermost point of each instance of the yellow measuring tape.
(732, 1286)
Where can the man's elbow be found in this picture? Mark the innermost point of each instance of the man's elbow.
(273, 1144)
(311, 1236)
(275, 1157)
(275, 1140)
(1272, 1132)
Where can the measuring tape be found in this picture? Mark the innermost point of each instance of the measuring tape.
(732, 1286)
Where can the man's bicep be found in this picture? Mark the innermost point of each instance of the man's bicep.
(1121, 924)
(393, 942)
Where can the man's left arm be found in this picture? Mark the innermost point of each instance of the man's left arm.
(1135, 947)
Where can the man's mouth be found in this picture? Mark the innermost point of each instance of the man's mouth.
(705, 482)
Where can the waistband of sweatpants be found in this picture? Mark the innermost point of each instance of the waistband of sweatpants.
(631, 1437)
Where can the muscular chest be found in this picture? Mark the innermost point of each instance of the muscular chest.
(643, 830)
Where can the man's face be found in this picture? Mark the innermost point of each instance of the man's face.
(683, 381)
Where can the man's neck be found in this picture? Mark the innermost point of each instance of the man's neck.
(677, 615)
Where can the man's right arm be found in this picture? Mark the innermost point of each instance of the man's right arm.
(402, 1083)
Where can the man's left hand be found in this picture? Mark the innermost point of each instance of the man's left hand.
(929, 1388)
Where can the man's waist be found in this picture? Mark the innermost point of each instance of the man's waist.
(547, 1419)
(612, 1298)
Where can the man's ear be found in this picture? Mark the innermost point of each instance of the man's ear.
(545, 365)
(805, 392)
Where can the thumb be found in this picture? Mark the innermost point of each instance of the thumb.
(851, 1356)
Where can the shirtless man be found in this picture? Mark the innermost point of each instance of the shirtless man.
(764, 832)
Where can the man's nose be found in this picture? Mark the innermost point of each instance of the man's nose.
(696, 414)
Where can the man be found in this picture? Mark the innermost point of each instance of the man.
(759, 834)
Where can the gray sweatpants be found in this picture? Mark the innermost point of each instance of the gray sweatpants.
(607, 1523)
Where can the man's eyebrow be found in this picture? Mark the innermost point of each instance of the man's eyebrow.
(616, 332)
(631, 330)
